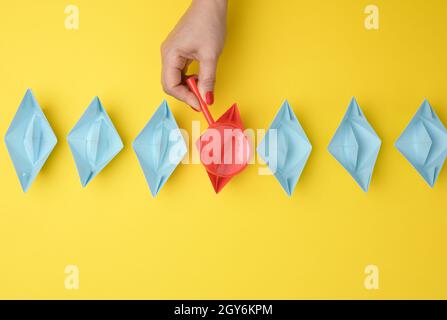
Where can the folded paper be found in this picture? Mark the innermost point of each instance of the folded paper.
(356, 145)
(230, 117)
(424, 143)
(29, 140)
(285, 148)
(160, 147)
(93, 141)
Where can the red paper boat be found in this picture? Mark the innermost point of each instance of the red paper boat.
(224, 148)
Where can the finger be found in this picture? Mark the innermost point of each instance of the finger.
(173, 68)
(207, 79)
(182, 93)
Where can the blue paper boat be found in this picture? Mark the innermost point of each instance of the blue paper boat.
(160, 147)
(424, 143)
(29, 140)
(356, 145)
(285, 148)
(93, 141)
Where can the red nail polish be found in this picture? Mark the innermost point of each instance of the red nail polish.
(209, 97)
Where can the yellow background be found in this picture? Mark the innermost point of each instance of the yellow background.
(251, 241)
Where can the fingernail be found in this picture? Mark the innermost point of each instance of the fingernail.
(209, 97)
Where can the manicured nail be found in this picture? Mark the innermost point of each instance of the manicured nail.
(209, 97)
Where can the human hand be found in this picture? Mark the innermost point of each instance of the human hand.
(198, 36)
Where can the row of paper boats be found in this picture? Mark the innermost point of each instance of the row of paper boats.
(94, 142)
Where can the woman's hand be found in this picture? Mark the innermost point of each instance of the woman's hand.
(198, 36)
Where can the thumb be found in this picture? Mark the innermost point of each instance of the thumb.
(207, 78)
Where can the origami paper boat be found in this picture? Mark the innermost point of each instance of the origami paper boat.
(231, 116)
(285, 148)
(93, 141)
(29, 140)
(424, 143)
(160, 147)
(356, 145)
